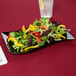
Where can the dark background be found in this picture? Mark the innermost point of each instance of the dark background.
(56, 60)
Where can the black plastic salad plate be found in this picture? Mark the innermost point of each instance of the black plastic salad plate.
(38, 35)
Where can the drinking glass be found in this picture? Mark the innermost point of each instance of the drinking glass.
(46, 8)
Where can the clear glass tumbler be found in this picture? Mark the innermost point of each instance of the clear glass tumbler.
(46, 8)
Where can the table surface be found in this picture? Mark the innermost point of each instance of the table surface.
(56, 60)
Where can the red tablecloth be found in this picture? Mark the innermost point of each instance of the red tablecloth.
(56, 60)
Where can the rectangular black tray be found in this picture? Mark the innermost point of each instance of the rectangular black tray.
(5, 36)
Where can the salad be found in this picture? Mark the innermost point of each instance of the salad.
(42, 32)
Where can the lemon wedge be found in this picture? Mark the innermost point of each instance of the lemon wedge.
(42, 4)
